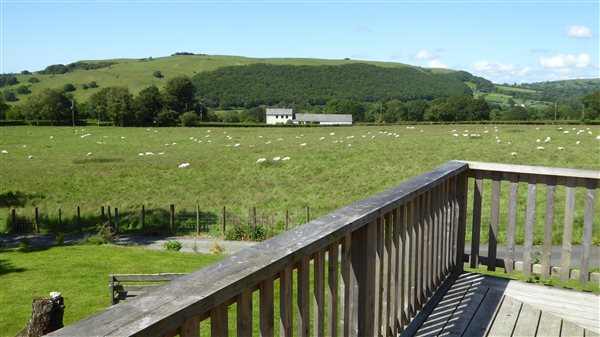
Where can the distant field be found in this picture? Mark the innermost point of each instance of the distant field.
(514, 89)
(336, 167)
(136, 74)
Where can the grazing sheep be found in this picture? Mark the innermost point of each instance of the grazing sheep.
(184, 165)
(236, 145)
(286, 158)
(540, 148)
(140, 154)
(261, 160)
(276, 158)
(88, 154)
(513, 154)
(30, 157)
(577, 143)
(560, 148)
(303, 144)
(4, 152)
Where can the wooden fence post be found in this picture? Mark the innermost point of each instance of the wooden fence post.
(116, 220)
(197, 219)
(254, 215)
(59, 216)
(143, 216)
(79, 219)
(172, 217)
(14, 219)
(102, 218)
(109, 216)
(223, 226)
(37, 221)
(307, 214)
(287, 219)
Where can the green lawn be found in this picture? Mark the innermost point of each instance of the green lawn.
(80, 273)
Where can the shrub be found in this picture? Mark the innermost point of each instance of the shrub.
(106, 232)
(189, 118)
(248, 232)
(173, 245)
(33, 80)
(216, 248)
(24, 242)
(167, 118)
(69, 87)
(60, 238)
(157, 74)
(93, 240)
(23, 90)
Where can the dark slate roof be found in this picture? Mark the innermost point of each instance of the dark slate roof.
(323, 118)
(273, 112)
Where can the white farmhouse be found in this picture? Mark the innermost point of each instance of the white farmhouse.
(279, 116)
(323, 119)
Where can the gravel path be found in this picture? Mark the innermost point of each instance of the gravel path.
(202, 244)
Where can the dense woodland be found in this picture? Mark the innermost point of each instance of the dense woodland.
(240, 94)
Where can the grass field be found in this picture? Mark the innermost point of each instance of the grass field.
(80, 273)
(137, 74)
(336, 167)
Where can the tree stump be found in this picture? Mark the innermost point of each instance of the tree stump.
(46, 316)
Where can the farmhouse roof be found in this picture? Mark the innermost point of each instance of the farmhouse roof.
(272, 112)
(323, 118)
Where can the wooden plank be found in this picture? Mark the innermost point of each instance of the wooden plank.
(455, 223)
(218, 321)
(529, 228)
(395, 303)
(506, 317)
(548, 224)
(570, 329)
(462, 200)
(346, 287)
(412, 260)
(244, 314)
(267, 322)
(387, 276)
(534, 170)
(463, 312)
(191, 328)
(285, 302)
(303, 298)
(436, 236)
(485, 314)
(476, 228)
(401, 315)
(418, 225)
(586, 240)
(494, 213)
(509, 255)
(549, 325)
(332, 289)
(527, 324)
(565, 258)
(378, 277)
(319, 294)
(428, 268)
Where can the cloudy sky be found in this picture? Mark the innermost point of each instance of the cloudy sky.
(505, 41)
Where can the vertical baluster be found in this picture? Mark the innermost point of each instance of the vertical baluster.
(285, 303)
(426, 245)
(509, 255)
(190, 328)
(319, 294)
(418, 219)
(412, 262)
(476, 230)
(346, 287)
(244, 314)
(303, 298)
(565, 259)
(461, 199)
(332, 289)
(218, 321)
(388, 275)
(266, 308)
(494, 211)
(588, 221)
(529, 227)
(379, 261)
(548, 224)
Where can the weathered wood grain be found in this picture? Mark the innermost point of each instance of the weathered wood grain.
(244, 314)
(476, 227)
(218, 321)
(509, 255)
(332, 289)
(303, 298)
(285, 302)
(494, 213)
(266, 308)
(586, 240)
(549, 325)
(528, 320)
(529, 228)
(548, 225)
(319, 294)
(567, 238)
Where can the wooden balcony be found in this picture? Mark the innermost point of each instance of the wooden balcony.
(389, 265)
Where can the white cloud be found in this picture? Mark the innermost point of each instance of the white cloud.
(565, 61)
(580, 32)
(424, 55)
(436, 64)
(487, 66)
(525, 71)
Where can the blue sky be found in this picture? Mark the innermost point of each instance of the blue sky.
(504, 41)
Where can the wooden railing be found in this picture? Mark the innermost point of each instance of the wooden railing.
(365, 270)
(535, 178)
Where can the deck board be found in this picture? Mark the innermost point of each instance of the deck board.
(478, 305)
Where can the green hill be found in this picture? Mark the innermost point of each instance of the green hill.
(137, 74)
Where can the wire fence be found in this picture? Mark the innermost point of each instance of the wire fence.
(156, 220)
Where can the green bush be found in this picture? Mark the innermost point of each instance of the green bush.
(24, 242)
(189, 119)
(173, 245)
(93, 240)
(248, 232)
(60, 238)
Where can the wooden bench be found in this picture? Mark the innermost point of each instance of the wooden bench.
(123, 286)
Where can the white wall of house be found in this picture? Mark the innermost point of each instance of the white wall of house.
(279, 116)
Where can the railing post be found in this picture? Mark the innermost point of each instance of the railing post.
(78, 220)
(362, 280)
(462, 186)
(172, 217)
(143, 216)
(37, 221)
(116, 220)
(223, 225)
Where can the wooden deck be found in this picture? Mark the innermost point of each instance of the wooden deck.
(478, 305)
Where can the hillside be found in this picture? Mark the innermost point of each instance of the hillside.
(137, 74)
(264, 84)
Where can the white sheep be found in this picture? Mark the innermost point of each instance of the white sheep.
(560, 148)
(276, 158)
(236, 145)
(4, 152)
(184, 165)
(261, 160)
(303, 144)
(513, 154)
(577, 143)
(286, 158)
(30, 157)
(540, 148)
(88, 154)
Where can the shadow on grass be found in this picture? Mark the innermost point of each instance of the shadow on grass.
(97, 160)
(18, 198)
(7, 268)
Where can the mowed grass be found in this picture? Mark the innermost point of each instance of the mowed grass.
(336, 167)
(80, 273)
